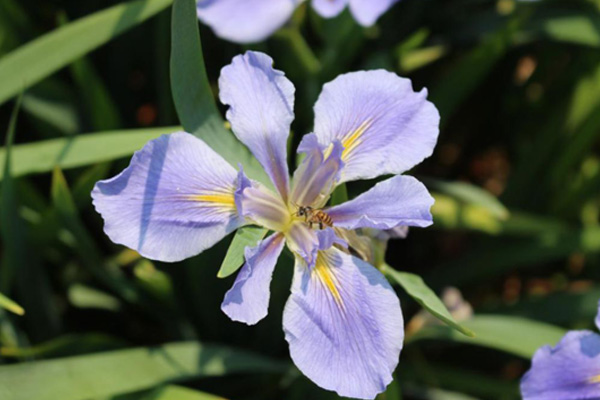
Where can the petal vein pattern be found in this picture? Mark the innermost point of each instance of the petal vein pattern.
(176, 199)
(384, 126)
(261, 103)
(344, 325)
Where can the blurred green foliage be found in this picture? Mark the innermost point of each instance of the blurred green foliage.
(516, 177)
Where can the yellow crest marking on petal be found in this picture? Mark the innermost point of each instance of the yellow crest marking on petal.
(353, 139)
(218, 199)
(328, 279)
(594, 379)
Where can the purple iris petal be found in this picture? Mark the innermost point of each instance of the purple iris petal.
(329, 8)
(175, 199)
(261, 103)
(248, 300)
(367, 12)
(245, 21)
(384, 126)
(344, 325)
(304, 242)
(316, 176)
(401, 200)
(265, 208)
(569, 371)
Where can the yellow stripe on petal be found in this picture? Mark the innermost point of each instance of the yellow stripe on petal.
(353, 139)
(223, 200)
(594, 379)
(328, 279)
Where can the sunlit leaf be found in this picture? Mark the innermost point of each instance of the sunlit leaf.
(518, 336)
(80, 150)
(418, 290)
(169, 392)
(10, 305)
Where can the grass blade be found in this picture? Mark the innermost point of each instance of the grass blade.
(78, 151)
(193, 96)
(10, 305)
(23, 67)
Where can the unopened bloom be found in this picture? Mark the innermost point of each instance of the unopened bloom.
(343, 321)
(249, 21)
(568, 371)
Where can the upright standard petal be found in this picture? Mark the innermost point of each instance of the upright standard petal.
(316, 176)
(261, 110)
(329, 8)
(344, 325)
(265, 208)
(569, 371)
(384, 126)
(401, 200)
(176, 199)
(248, 300)
(367, 12)
(245, 21)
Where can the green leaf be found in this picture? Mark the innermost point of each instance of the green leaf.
(124, 371)
(518, 336)
(66, 345)
(418, 290)
(579, 29)
(471, 194)
(40, 58)
(169, 392)
(339, 195)
(78, 151)
(21, 269)
(10, 305)
(247, 236)
(193, 96)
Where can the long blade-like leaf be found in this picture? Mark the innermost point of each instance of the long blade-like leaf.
(118, 372)
(519, 336)
(418, 290)
(79, 150)
(38, 59)
(193, 96)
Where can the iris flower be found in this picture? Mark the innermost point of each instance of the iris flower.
(249, 21)
(178, 197)
(568, 371)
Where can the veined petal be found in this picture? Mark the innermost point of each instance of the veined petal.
(401, 200)
(316, 176)
(367, 12)
(569, 371)
(265, 208)
(245, 21)
(329, 8)
(261, 109)
(384, 126)
(248, 300)
(176, 199)
(303, 241)
(344, 325)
